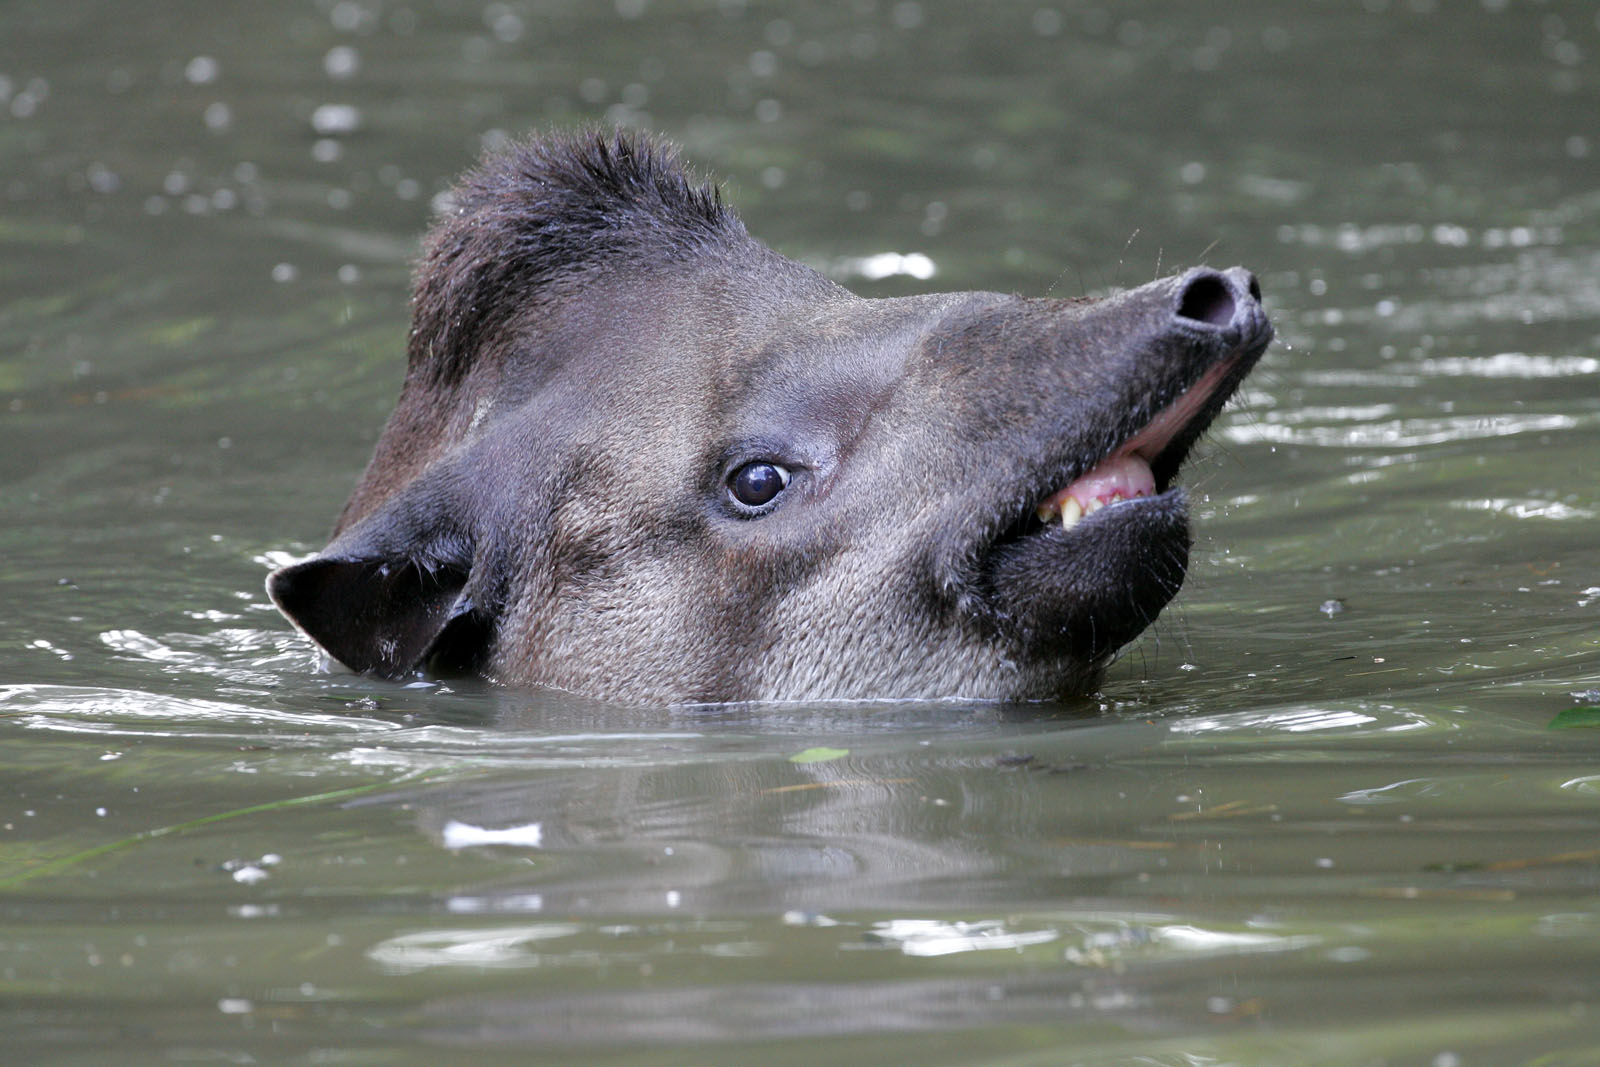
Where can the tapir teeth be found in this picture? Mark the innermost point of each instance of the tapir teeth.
(1070, 510)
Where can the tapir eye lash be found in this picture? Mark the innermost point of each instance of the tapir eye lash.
(755, 485)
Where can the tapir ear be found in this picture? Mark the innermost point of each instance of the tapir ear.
(381, 612)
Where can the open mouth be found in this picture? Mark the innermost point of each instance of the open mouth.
(1089, 562)
(1129, 472)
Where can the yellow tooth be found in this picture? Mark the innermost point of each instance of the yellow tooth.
(1071, 512)
(1046, 512)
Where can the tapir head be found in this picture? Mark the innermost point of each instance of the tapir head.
(640, 456)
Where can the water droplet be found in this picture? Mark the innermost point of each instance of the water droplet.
(201, 70)
(218, 117)
(329, 119)
(341, 62)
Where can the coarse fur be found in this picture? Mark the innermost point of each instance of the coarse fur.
(599, 349)
(542, 213)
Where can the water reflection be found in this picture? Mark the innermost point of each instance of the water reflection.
(478, 949)
(456, 835)
(1297, 721)
(933, 937)
(1530, 509)
(1086, 977)
(776, 1010)
(884, 265)
(1509, 365)
(1403, 433)
(1202, 942)
(124, 713)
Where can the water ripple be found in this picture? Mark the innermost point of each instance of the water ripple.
(74, 709)
(1400, 433)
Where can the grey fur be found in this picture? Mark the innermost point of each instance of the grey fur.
(599, 346)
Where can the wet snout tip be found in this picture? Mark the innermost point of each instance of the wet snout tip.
(1245, 281)
(1220, 299)
(1209, 299)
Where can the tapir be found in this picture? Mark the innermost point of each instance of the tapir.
(639, 455)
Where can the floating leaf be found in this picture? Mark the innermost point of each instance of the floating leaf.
(1587, 715)
(818, 755)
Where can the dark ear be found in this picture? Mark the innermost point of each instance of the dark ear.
(375, 616)
(393, 591)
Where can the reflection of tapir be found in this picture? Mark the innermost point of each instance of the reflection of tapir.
(641, 456)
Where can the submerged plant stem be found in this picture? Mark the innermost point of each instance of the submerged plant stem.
(65, 862)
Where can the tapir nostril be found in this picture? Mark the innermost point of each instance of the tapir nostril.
(1207, 299)
(1255, 289)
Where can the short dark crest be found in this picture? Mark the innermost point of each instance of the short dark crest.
(539, 212)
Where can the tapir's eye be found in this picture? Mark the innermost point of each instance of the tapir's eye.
(756, 484)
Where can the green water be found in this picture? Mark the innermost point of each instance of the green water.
(1316, 816)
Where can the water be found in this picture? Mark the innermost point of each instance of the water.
(1317, 815)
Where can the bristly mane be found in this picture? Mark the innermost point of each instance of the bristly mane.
(542, 210)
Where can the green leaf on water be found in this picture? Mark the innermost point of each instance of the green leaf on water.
(818, 755)
(1586, 715)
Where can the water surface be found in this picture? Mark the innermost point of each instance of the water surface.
(1317, 815)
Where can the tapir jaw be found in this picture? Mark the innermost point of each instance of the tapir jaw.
(1094, 561)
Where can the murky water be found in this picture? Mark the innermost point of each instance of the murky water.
(1317, 815)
